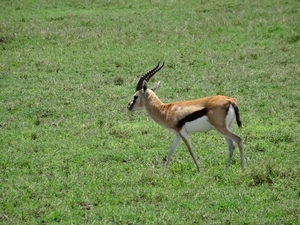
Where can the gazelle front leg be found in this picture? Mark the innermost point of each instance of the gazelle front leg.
(171, 151)
(185, 138)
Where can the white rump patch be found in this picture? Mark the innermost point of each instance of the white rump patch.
(230, 116)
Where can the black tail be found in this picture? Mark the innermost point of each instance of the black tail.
(237, 115)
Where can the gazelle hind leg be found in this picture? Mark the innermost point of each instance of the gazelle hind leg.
(171, 151)
(185, 138)
(228, 134)
(230, 151)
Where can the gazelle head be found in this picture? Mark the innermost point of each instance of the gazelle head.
(140, 95)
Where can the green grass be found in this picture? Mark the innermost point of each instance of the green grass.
(70, 153)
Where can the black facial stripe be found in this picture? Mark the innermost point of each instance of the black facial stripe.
(130, 105)
(193, 116)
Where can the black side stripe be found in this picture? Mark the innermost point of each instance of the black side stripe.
(195, 115)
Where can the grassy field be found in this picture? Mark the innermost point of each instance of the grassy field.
(71, 153)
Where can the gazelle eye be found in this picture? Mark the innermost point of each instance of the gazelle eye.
(135, 97)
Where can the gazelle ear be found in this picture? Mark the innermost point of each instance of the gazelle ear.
(156, 86)
(145, 85)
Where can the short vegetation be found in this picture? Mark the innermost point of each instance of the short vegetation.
(71, 153)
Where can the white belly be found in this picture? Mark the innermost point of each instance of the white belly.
(199, 125)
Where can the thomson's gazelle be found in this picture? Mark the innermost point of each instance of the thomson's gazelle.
(184, 117)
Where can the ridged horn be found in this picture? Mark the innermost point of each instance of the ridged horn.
(148, 75)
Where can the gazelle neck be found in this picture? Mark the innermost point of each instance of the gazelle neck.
(154, 107)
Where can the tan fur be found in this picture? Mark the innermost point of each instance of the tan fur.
(168, 115)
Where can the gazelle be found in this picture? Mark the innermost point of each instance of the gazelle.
(184, 117)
